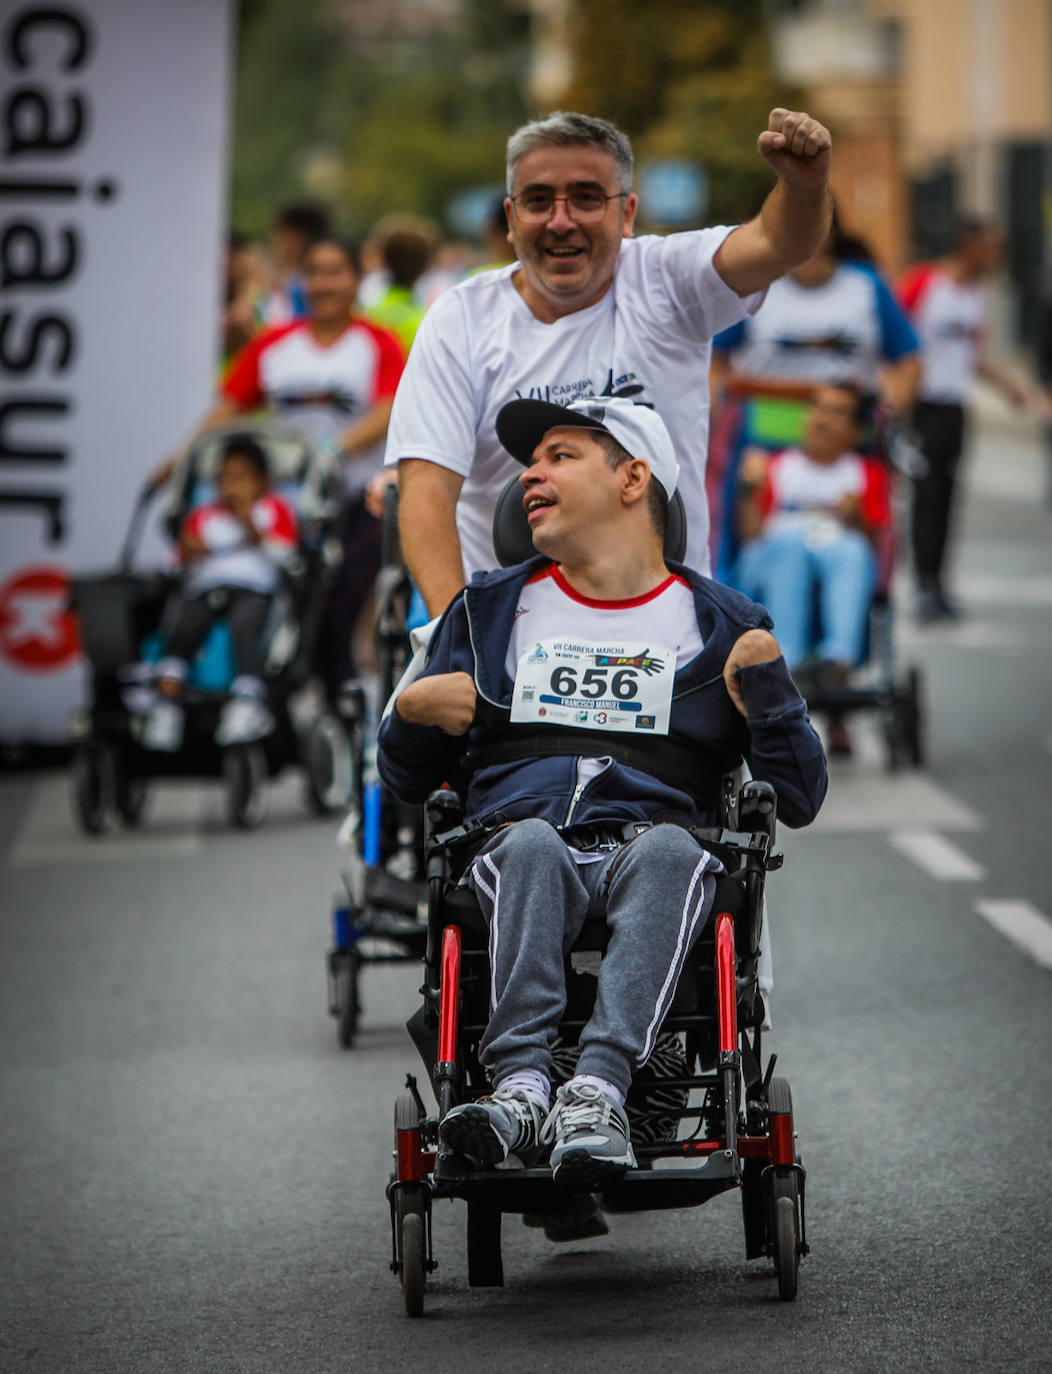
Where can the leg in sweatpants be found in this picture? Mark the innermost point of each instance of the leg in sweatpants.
(247, 617)
(535, 904)
(660, 890)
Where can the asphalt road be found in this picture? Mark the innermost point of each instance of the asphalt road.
(192, 1173)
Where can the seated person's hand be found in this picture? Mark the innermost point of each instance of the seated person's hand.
(190, 548)
(849, 511)
(446, 700)
(754, 646)
(374, 492)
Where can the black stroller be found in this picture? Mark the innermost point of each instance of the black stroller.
(122, 622)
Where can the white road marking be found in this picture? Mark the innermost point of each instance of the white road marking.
(861, 801)
(1023, 924)
(937, 856)
(1005, 589)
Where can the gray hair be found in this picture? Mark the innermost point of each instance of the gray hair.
(564, 129)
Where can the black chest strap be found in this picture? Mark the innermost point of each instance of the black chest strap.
(672, 761)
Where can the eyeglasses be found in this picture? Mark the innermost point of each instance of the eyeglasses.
(586, 206)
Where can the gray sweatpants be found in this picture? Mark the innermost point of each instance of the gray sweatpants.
(656, 893)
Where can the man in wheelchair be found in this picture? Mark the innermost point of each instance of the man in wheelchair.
(591, 700)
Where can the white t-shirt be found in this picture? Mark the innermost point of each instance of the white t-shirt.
(649, 337)
(319, 388)
(839, 331)
(950, 317)
(548, 607)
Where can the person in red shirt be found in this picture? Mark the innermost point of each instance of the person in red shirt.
(332, 375)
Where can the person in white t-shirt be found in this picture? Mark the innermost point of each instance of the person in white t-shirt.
(586, 310)
(947, 303)
(809, 517)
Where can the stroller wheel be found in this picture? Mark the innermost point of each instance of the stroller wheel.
(330, 765)
(130, 798)
(93, 788)
(245, 770)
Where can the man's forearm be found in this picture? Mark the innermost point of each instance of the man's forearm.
(795, 220)
(427, 525)
(789, 230)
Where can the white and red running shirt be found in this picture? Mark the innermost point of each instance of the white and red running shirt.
(796, 490)
(549, 607)
(950, 318)
(318, 388)
(232, 560)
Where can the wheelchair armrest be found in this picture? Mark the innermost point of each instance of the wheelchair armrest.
(758, 807)
(443, 811)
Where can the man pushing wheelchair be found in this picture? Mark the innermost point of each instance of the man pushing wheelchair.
(593, 698)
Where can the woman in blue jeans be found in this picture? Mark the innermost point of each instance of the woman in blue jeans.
(809, 517)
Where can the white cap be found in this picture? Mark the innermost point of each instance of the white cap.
(640, 430)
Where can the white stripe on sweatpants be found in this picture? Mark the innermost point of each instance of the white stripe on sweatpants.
(686, 929)
(493, 893)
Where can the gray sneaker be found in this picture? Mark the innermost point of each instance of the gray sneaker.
(591, 1137)
(491, 1129)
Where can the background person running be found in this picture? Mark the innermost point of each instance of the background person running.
(587, 309)
(947, 303)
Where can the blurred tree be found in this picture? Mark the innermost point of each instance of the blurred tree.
(686, 80)
(406, 121)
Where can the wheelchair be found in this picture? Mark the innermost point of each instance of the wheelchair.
(769, 416)
(121, 615)
(379, 917)
(740, 1135)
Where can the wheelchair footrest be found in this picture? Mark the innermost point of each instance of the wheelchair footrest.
(638, 1190)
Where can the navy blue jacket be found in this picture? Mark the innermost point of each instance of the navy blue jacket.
(711, 736)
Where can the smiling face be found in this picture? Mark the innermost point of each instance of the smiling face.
(568, 266)
(331, 283)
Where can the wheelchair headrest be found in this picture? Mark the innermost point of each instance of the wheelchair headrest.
(513, 541)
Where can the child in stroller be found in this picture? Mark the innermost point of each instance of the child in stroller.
(231, 550)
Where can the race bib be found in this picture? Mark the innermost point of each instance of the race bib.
(595, 687)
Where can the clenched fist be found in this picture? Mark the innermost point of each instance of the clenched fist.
(754, 646)
(446, 700)
(798, 148)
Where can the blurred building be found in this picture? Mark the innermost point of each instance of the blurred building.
(939, 107)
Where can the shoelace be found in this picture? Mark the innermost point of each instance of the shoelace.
(582, 1109)
(519, 1104)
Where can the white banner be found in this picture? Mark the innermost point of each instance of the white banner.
(113, 183)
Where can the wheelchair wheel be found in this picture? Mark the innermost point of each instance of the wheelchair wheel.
(413, 1262)
(784, 1221)
(348, 1008)
(912, 719)
(93, 782)
(330, 765)
(245, 770)
(786, 1241)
